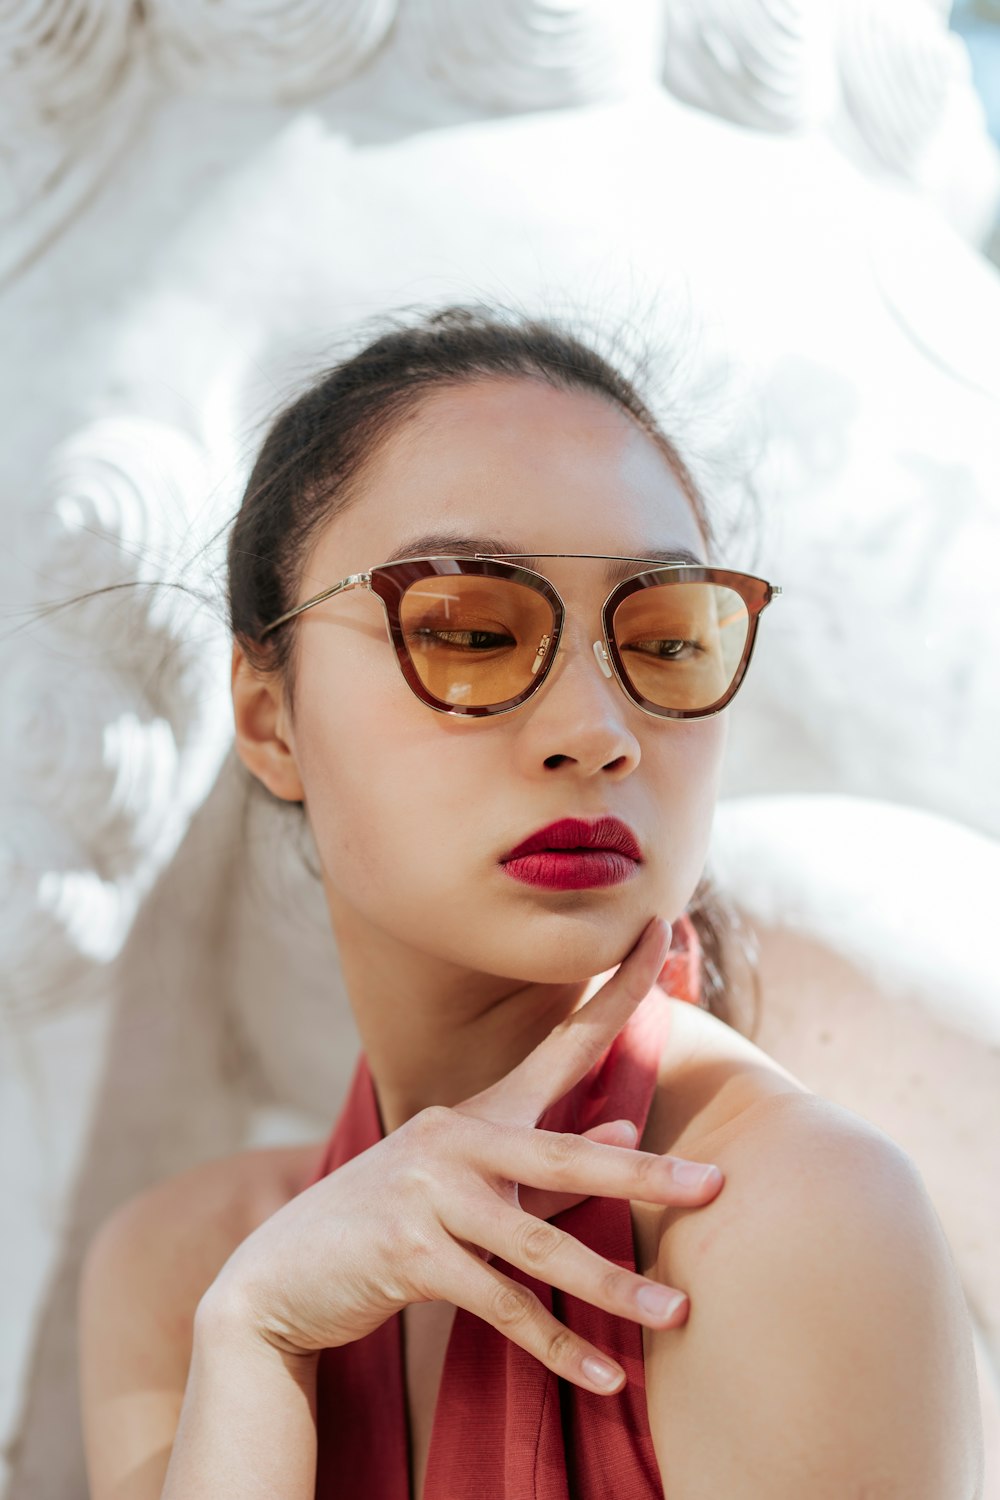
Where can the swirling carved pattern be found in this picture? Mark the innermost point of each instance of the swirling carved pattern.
(763, 63)
(116, 706)
(71, 84)
(535, 54)
(279, 52)
(60, 60)
(123, 509)
(898, 63)
(109, 692)
(31, 932)
(84, 746)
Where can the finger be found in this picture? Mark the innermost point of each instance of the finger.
(563, 1162)
(544, 1204)
(551, 1255)
(515, 1311)
(613, 1133)
(573, 1047)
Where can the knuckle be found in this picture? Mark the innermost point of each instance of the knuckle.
(560, 1348)
(429, 1124)
(536, 1243)
(616, 1288)
(415, 1243)
(511, 1303)
(440, 1116)
(646, 1167)
(413, 1181)
(559, 1148)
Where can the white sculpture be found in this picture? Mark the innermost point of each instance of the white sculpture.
(247, 51)
(533, 54)
(152, 1013)
(72, 87)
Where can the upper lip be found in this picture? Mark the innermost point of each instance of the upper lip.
(576, 833)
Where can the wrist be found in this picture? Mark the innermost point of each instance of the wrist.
(226, 1319)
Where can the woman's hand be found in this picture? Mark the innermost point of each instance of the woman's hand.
(414, 1218)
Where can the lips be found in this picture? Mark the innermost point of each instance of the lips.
(609, 835)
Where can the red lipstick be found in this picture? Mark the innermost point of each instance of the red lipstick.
(574, 855)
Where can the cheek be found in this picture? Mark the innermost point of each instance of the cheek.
(686, 771)
(387, 792)
(698, 764)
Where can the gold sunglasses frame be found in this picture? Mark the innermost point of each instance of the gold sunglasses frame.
(389, 582)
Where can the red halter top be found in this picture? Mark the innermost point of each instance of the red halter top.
(505, 1427)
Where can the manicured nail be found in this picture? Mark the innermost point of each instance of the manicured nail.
(665, 930)
(660, 1301)
(599, 1373)
(694, 1174)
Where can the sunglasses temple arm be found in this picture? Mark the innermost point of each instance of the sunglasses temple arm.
(355, 580)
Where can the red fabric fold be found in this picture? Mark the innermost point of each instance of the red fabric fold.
(505, 1427)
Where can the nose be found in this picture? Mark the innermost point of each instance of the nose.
(545, 646)
(576, 719)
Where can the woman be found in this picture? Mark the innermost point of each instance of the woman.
(509, 765)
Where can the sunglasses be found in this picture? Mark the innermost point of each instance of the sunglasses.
(477, 636)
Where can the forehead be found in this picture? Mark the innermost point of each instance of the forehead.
(557, 470)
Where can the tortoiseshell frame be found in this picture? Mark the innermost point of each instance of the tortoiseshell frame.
(389, 581)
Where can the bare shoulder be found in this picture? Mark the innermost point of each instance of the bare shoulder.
(781, 1146)
(182, 1230)
(144, 1273)
(828, 1344)
(709, 1076)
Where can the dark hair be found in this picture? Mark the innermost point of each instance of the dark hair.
(315, 452)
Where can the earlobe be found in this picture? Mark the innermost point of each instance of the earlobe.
(261, 730)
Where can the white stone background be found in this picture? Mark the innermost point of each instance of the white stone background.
(198, 202)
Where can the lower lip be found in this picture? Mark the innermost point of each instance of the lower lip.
(571, 869)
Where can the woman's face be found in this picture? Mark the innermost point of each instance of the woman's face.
(412, 809)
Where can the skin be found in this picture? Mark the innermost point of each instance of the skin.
(455, 971)
(835, 1318)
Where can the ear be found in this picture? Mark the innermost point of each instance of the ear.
(263, 742)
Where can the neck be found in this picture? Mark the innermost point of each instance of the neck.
(434, 1032)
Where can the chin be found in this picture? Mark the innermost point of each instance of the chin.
(563, 947)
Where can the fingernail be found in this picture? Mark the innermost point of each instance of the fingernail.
(599, 1373)
(695, 1174)
(666, 930)
(659, 1300)
(627, 1130)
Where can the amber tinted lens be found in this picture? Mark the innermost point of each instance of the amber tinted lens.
(474, 640)
(681, 643)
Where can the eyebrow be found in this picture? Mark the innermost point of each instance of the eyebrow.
(437, 543)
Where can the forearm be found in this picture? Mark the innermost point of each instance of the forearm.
(248, 1423)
